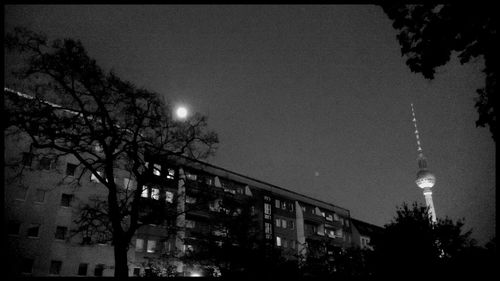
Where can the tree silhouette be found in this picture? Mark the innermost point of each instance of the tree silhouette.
(72, 107)
(413, 246)
(430, 33)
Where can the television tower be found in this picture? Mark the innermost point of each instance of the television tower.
(425, 179)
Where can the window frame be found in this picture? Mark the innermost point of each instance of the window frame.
(31, 227)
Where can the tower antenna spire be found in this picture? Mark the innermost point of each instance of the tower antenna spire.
(425, 179)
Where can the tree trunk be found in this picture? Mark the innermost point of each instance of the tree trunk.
(121, 261)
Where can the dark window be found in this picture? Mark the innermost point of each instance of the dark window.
(70, 169)
(27, 265)
(99, 268)
(82, 269)
(33, 230)
(137, 271)
(13, 227)
(55, 267)
(27, 159)
(40, 196)
(66, 199)
(45, 163)
(61, 232)
(86, 240)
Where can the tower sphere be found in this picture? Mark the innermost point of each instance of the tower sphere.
(425, 179)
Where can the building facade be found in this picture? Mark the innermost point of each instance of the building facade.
(186, 206)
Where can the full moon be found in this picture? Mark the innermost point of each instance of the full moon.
(181, 112)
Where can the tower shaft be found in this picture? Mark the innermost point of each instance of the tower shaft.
(430, 205)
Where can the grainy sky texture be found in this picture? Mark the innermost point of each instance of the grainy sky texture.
(315, 99)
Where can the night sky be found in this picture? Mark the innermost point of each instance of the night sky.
(315, 99)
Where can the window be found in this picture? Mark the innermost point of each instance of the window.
(98, 270)
(329, 217)
(347, 222)
(70, 169)
(267, 228)
(144, 192)
(169, 197)
(190, 224)
(93, 178)
(267, 208)
(61, 232)
(285, 243)
(278, 224)
(82, 269)
(303, 208)
(267, 198)
(13, 227)
(55, 267)
(157, 169)
(66, 199)
(283, 205)
(27, 159)
(335, 217)
(170, 174)
(278, 241)
(155, 193)
(27, 265)
(151, 246)
(139, 245)
(292, 224)
(292, 244)
(45, 163)
(291, 207)
(21, 192)
(137, 271)
(339, 233)
(190, 200)
(330, 233)
(190, 176)
(33, 230)
(277, 204)
(283, 223)
(40, 196)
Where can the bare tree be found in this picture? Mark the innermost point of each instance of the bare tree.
(73, 107)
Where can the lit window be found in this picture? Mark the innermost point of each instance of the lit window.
(27, 265)
(278, 241)
(339, 233)
(33, 230)
(267, 208)
(169, 197)
(335, 217)
(323, 214)
(82, 269)
(267, 198)
(93, 178)
(40, 196)
(330, 233)
(66, 199)
(329, 217)
(277, 204)
(283, 223)
(190, 224)
(27, 159)
(303, 208)
(155, 193)
(283, 205)
(190, 176)
(267, 227)
(55, 267)
(278, 224)
(139, 245)
(70, 169)
(151, 246)
(21, 192)
(61, 232)
(99, 269)
(144, 191)
(45, 163)
(170, 174)
(190, 200)
(157, 169)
